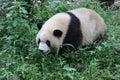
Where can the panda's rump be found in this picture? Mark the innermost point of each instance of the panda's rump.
(91, 24)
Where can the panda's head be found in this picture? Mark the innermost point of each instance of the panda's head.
(52, 33)
(48, 40)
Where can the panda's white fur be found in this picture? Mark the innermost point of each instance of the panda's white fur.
(91, 25)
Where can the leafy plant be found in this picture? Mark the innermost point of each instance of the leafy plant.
(20, 58)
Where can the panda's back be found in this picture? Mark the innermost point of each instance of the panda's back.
(92, 24)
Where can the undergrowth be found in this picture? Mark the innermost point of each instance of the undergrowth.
(21, 60)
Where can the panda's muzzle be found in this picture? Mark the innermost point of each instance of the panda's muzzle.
(43, 47)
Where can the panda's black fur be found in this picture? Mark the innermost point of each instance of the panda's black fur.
(74, 33)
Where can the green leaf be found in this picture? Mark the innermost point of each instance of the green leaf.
(68, 75)
(67, 68)
(9, 8)
(8, 15)
(22, 9)
(14, 23)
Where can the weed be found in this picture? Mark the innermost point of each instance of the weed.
(21, 59)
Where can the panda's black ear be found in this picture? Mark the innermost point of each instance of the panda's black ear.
(57, 33)
(39, 26)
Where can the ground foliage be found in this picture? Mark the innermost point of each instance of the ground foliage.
(21, 60)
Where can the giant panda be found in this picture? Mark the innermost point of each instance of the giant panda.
(77, 27)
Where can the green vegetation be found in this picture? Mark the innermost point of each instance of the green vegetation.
(20, 58)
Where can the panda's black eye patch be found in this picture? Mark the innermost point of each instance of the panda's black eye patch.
(48, 43)
(39, 41)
